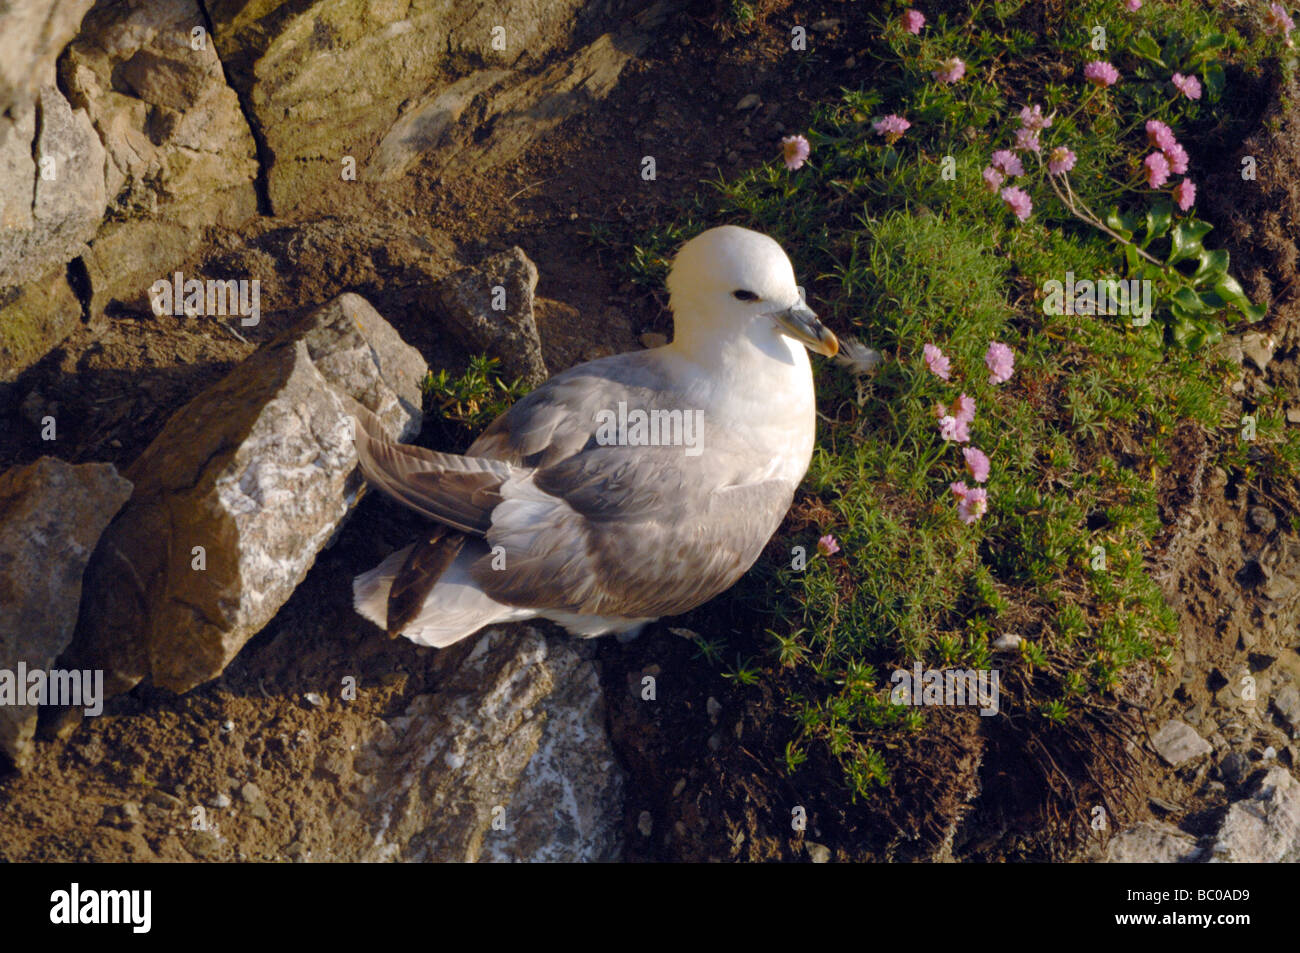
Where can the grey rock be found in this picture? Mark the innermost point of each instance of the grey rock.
(818, 853)
(1264, 828)
(568, 805)
(1233, 767)
(1177, 743)
(259, 470)
(51, 516)
(1258, 348)
(467, 299)
(1261, 519)
(32, 34)
(1287, 703)
(51, 201)
(750, 101)
(1151, 842)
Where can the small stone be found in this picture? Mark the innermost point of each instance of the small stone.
(251, 793)
(220, 801)
(227, 725)
(1258, 348)
(715, 742)
(314, 699)
(819, 853)
(1177, 743)
(1261, 518)
(750, 101)
(825, 26)
(653, 339)
(1233, 766)
(454, 761)
(679, 787)
(1007, 643)
(1287, 704)
(645, 823)
(1270, 753)
(714, 708)
(260, 811)
(163, 800)
(1293, 414)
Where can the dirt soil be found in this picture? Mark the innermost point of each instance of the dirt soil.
(706, 780)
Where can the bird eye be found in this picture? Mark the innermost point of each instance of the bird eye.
(740, 294)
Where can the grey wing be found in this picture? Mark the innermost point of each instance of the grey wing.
(629, 531)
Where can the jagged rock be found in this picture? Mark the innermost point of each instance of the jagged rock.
(326, 79)
(1151, 842)
(1264, 828)
(34, 319)
(508, 761)
(492, 305)
(32, 34)
(180, 153)
(490, 117)
(259, 471)
(567, 807)
(1287, 703)
(51, 516)
(52, 192)
(1177, 742)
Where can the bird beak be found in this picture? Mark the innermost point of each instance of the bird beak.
(801, 323)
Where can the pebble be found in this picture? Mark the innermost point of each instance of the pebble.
(1261, 518)
(220, 800)
(825, 26)
(645, 823)
(455, 761)
(251, 793)
(314, 699)
(679, 787)
(653, 339)
(1293, 414)
(820, 853)
(714, 707)
(715, 742)
(750, 101)
(1007, 643)
(1177, 743)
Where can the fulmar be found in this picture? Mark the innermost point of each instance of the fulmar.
(624, 489)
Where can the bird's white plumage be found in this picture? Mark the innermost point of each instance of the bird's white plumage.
(604, 538)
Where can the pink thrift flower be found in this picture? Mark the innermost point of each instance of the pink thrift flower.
(1176, 156)
(936, 361)
(1100, 74)
(1157, 169)
(913, 20)
(1160, 135)
(1133, 5)
(1031, 117)
(973, 504)
(1061, 160)
(950, 428)
(1277, 21)
(999, 359)
(992, 178)
(964, 409)
(1018, 202)
(827, 545)
(1189, 86)
(794, 151)
(951, 70)
(977, 464)
(1027, 139)
(891, 127)
(1004, 160)
(1185, 194)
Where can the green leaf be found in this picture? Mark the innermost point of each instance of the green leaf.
(1206, 45)
(1254, 312)
(1213, 264)
(1121, 224)
(1185, 302)
(1212, 76)
(1158, 218)
(1186, 240)
(1143, 45)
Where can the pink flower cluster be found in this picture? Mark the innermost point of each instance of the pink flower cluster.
(1171, 158)
(954, 425)
(1276, 20)
(1005, 164)
(913, 20)
(1189, 86)
(891, 127)
(795, 151)
(1101, 74)
(950, 70)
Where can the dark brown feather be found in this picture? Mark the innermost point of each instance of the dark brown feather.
(424, 565)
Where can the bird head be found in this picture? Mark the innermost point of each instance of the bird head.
(730, 280)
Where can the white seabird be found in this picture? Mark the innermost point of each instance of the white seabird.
(544, 516)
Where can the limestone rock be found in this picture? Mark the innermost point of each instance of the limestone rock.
(237, 495)
(52, 197)
(1264, 828)
(1151, 842)
(326, 78)
(180, 153)
(32, 34)
(491, 304)
(508, 761)
(1177, 742)
(51, 516)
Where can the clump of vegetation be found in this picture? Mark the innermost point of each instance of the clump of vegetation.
(938, 202)
(475, 398)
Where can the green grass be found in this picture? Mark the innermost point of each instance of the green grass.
(899, 256)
